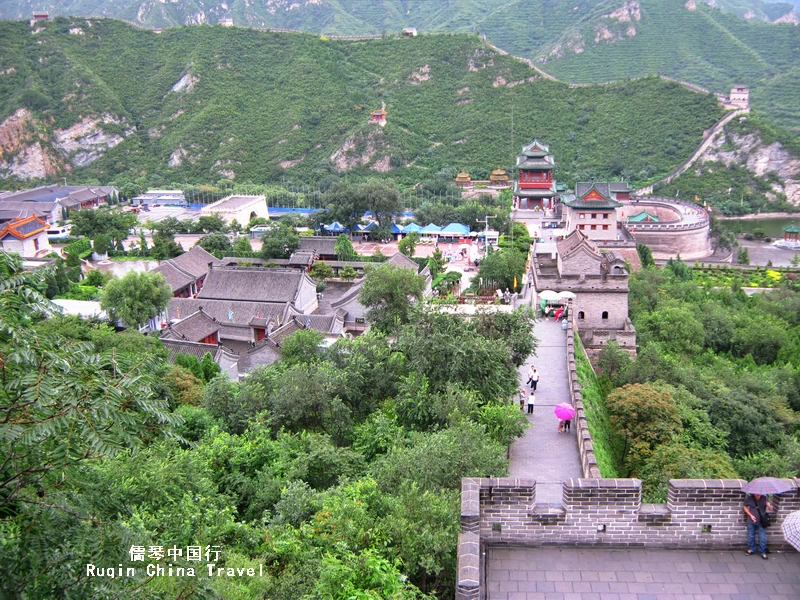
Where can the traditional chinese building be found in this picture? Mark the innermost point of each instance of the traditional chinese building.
(463, 179)
(499, 178)
(378, 116)
(593, 210)
(535, 186)
(25, 236)
(599, 281)
(791, 233)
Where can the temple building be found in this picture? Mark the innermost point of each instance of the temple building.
(378, 116)
(499, 178)
(535, 186)
(463, 179)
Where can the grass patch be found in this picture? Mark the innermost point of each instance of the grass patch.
(594, 391)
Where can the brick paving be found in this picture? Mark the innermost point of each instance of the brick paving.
(599, 574)
(544, 454)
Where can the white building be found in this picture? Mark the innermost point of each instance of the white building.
(166, 197)
(27, 237)
(242, 208)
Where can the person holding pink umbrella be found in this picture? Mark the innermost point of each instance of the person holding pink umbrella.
(564, 412)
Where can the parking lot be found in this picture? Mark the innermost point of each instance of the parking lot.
(159, 213)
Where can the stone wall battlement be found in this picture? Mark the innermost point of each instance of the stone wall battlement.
(594, 283)
(698, 514)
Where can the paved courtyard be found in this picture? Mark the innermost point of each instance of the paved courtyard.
(551, 573)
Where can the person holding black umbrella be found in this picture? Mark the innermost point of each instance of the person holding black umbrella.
(755, 507)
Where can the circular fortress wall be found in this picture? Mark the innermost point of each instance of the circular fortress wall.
(671, 235)
(664, 212)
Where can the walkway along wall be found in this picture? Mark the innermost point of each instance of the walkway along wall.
(698, 514)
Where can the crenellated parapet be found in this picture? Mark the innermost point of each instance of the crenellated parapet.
(698, 514)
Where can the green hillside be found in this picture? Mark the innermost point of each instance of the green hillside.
(259, 99)
(705, 46)
(579, 41)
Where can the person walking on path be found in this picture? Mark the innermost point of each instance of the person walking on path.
(755, 507)
(522, 395)
(533, 378)
(531, 402)
(567, 424)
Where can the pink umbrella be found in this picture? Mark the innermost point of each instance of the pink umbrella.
(564, 411)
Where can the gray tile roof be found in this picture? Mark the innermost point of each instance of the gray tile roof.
(222, 310)
(319, 244)
(285, 330)
(191, 348)
(583, 189)
(302, 258)
(619, 186)
(186, 268)
(30, 227)
(325, 323)
(265, 352)
(534, 192)
(195, 261)
(252, 284)
(401, 260)
(27, 209)
(193, 328)
(176, 277)
(575, 243)
(526, 162)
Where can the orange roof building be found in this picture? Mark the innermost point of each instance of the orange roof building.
(378, 116)
(26, 236)
(463, 179)
(498, 176)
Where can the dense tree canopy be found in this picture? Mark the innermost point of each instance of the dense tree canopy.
(715, 379)
(336, 470)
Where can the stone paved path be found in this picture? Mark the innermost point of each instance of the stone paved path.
(593, 574)
(544, 454)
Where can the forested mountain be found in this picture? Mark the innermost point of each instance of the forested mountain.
(102, 99)
(580, 41)
(360, 17)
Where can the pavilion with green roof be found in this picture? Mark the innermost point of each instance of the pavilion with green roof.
(791, 232)
(643, 217)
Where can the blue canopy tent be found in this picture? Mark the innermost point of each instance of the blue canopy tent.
(455, 230)
(411, 228)
(336, 227)
(370, 226)
(430, 229)
(395, 228)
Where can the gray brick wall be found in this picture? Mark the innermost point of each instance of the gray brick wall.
(699, 513)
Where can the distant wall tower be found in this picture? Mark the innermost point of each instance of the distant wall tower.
(740, 96)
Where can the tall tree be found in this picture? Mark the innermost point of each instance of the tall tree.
(344, 247)
(345, 204)
(217, 244)
(381, 198)
(136, 298)
(388, 293)
(499, 269)
(408, 245)
(646, 417)
(279, 242)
